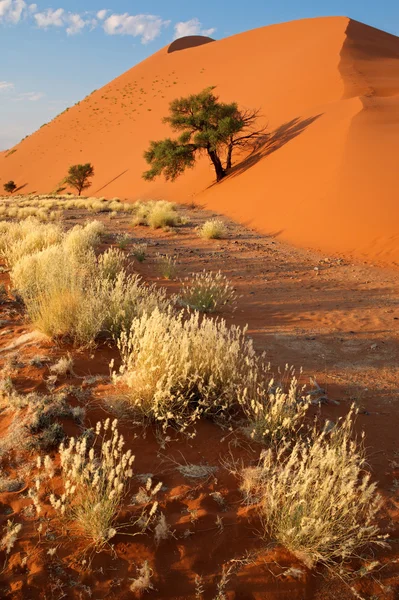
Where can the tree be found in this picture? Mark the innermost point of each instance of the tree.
(78, 176)
(207, 126)
(10, 187)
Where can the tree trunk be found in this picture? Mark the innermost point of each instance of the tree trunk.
(229, 155)
(217, 163)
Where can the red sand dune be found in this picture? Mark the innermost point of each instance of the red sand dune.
(328, 176)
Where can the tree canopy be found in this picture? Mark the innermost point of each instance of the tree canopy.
(10, 187)
(206, 125)
(79, 175)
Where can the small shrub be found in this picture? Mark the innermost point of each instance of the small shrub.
(167, 265)
(93, 485)
(274, 412)
(139, 252)
(177, 369)
(207, 292)
(212, 230)
(315, 498)
(155, 214)
(123, 241)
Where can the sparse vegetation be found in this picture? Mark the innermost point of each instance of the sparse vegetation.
(167, 265)
(207, 292)
(156, 214)
(214, 229)
(315, 497)
(93, 486)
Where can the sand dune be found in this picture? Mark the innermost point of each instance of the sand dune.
(327, 177)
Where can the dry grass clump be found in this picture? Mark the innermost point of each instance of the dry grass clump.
(93, 485)
(274, 411)
(111, 263)
(214, 229)
(207, 292)
(315, 497)
(79, 240)
(167, 265)
(156, 214)
(26, 237)
(69, 292)
(176, 369)
(139, 251)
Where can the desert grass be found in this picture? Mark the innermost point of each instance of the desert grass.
(26, 237)
(167, 265)
(275, 411)
(178, 367)
(94, 484)
(139, 252)
(207, 292)
(156, 214)
(214, 229)
(316, 497)
(70, 292)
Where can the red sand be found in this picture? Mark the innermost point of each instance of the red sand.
(329, 89)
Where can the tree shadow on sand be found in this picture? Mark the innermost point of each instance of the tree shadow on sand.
(270, 142)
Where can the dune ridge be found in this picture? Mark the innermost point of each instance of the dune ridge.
(327, 176)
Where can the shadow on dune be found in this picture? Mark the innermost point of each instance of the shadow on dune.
(270, 142)
(111, 181)
(21, 187)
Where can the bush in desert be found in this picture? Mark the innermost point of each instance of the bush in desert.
(69, 292)
(315, 497)
(10, 187)
(207, 126)
(156, 214)
(175, 369)
(79, 177)
(214, 229)
(207, 292)
(26, 237)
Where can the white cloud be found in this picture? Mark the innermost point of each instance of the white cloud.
(102, 14)
(32, 8)
(191, 27)
(11, 11)
(50, 18)
(76, 23)
(147, 27)
(6, 86)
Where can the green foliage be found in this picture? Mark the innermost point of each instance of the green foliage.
(10, 187)
(79, 175)
(206, 125)
(168, 157)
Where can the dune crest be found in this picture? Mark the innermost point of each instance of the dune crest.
(189, 41)
(327, 176)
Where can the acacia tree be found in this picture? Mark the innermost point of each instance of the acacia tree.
(10, 187)
(79, 175)
(207, 126)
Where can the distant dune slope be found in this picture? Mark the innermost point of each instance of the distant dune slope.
(327, 178)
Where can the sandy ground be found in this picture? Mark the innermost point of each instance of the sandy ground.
(337, 319)
(325, 176)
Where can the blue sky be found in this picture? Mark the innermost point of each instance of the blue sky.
(55, 52)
